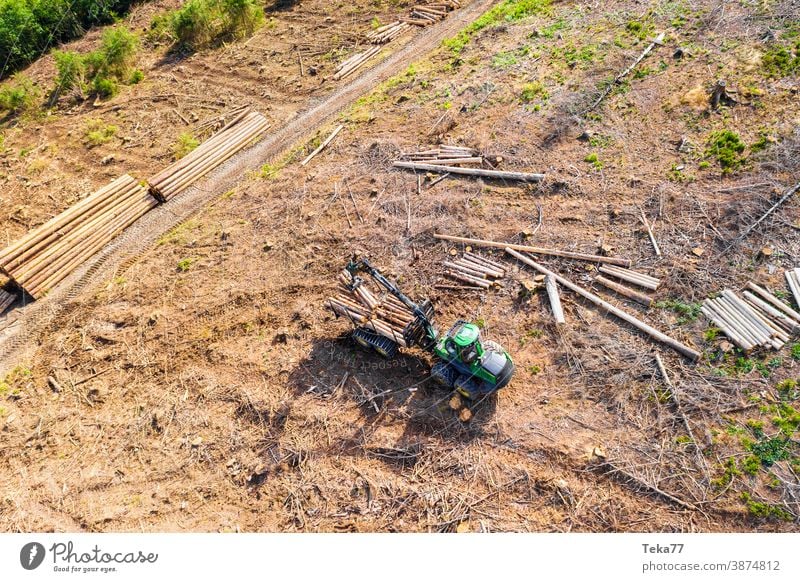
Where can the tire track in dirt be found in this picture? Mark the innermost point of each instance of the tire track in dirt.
(21, 332)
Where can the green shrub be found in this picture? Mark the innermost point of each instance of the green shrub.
(136, 77)
(185, 144)
(19, 95)
(71, 70)
(29, 27)
(765, 510)
(105, 87)
(101, 70)
(97, 133)
(201, 23)
(781, 61)
(727, 147)
(532, 91)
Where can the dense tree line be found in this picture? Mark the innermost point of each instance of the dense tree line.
(28, 28)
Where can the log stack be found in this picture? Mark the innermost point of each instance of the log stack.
(385, 315)
(387, 32)
(427, 14)
(355, 62)
(46, 255)
(445, 155)
(793, 279)
(629, 276)
(241, 132)
(475, 271)
(758, 320)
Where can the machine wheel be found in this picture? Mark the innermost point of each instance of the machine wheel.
(369, 340)
(444, 375)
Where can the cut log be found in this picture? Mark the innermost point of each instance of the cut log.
(645, 300)
(494, 174)
(774, 301)
(640, 325)
(555, 301)
(534, 250)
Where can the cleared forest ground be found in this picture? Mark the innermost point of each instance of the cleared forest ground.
(202, 386)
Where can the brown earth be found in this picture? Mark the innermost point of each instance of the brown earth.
(222, 395)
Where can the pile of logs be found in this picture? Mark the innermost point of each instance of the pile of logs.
(607, 307)
(632, 277)
(793, 279)
(387, 32)
(351, 65)
(753, 321)
(6, 299)
(476, 271)
(445, 155)
(241, 132)
(49, 253)
(385, 315)
(423, 15)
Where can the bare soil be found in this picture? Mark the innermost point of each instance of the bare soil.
(224, 396)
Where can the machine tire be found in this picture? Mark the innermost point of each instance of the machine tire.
(444, 375)
(369, 340)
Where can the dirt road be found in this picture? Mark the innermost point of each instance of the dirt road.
(24, 326)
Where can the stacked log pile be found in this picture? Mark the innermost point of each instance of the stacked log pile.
(629, 276)
(387, 32)
(758, 320)
(351, 65)
(427, 14)
(241, 132)
(385, 315)
(793, 279)
(445, 155)
(6, 299)
(46, 255)
(475, 270)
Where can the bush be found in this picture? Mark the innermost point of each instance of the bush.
(98, 133)
(29, 27)
(185, 144)
(19, 95)
(201, 23)
(71, 70)
(105, 87)
(727, 147)
(194, 24)
(100, 70)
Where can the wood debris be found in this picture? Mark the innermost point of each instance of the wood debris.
(475, 270)
(793, 279)
(427, 14)
(690, 353)
(49, 253)
(241, 132)
(355, 62)
(385, 315)
(323, 145)
(535, 250)
(751, 322)
(633, 277)
(480, 172)
(555, 301)
(387, 32)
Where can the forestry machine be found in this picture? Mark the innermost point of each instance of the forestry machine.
(464, 362)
